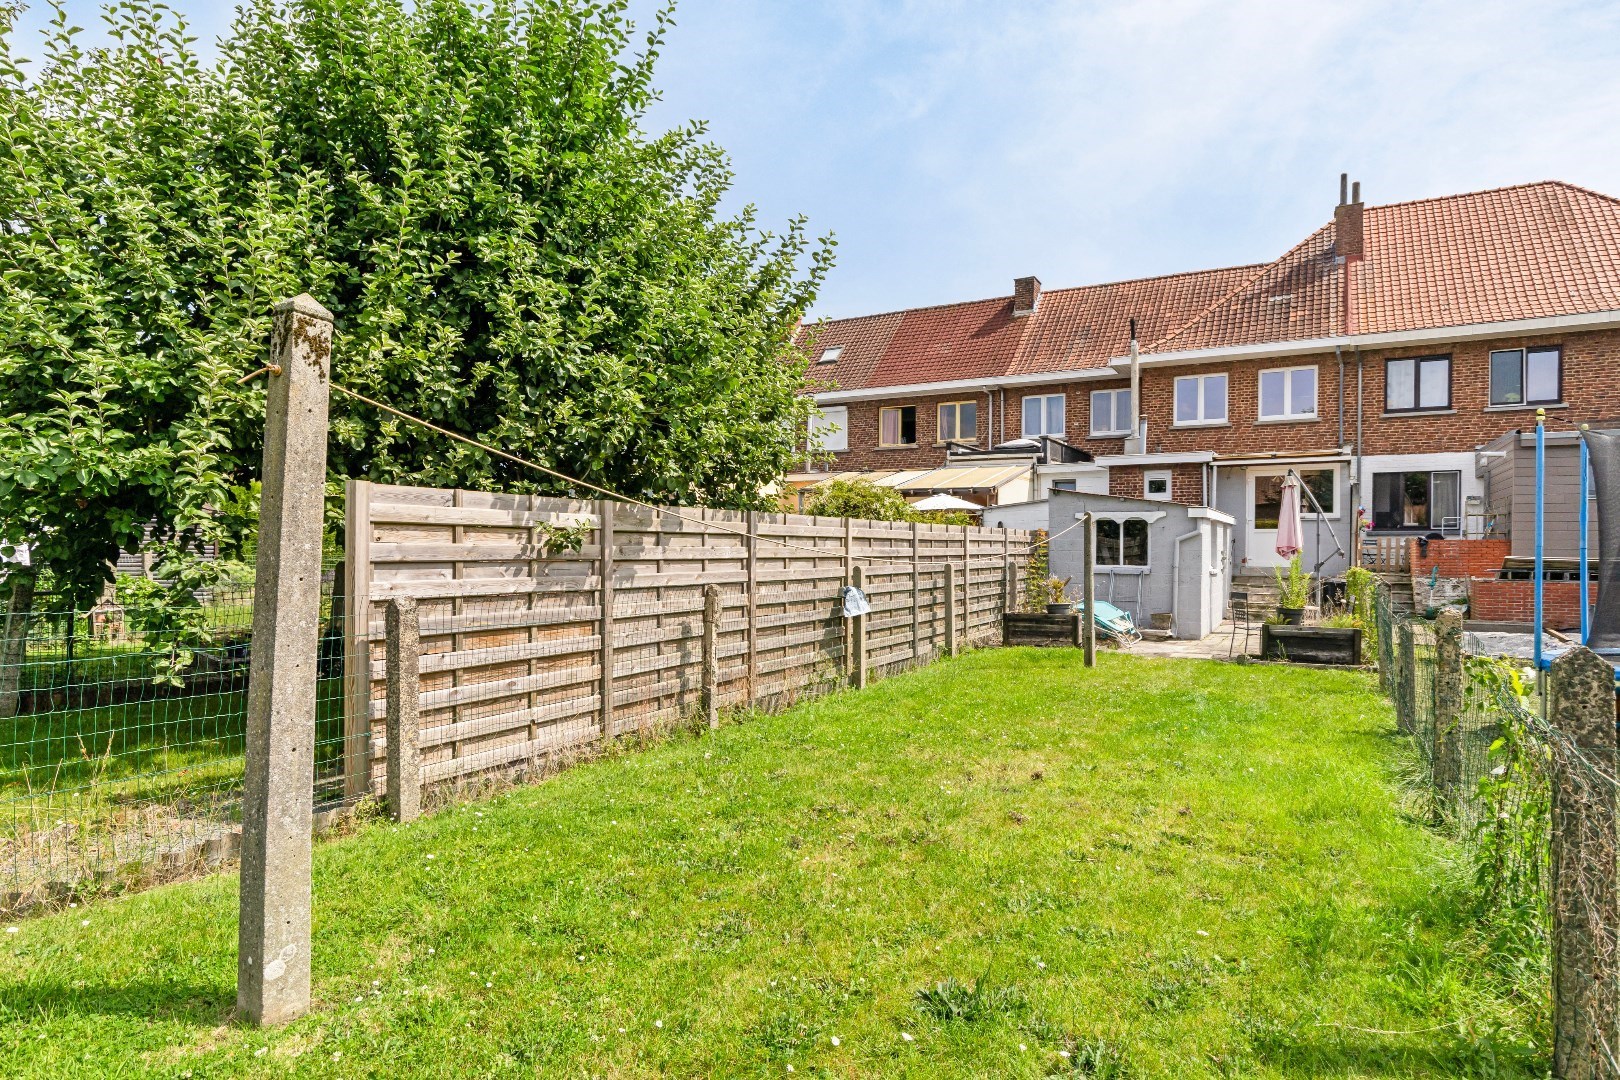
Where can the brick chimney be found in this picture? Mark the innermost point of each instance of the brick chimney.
(1026, 295)
(1348, 241)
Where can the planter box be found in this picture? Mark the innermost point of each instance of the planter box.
(1040, 629)
(1311, 644)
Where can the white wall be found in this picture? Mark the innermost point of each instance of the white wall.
(1024, 515)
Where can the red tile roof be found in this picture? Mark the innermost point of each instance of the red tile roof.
(1512, 253)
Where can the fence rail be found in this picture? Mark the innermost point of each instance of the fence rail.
(122, 737)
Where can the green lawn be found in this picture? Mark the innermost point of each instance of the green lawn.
(1159, 869)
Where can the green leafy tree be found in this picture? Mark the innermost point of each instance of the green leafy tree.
(468, 186)
(864, 499)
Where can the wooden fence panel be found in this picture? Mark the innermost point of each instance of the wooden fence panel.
(527, 650)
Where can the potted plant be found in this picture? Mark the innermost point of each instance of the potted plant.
(1057, 602)
(1293, 592)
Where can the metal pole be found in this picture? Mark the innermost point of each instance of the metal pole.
(1088, 588)
(1586, 480)
(1541, 507)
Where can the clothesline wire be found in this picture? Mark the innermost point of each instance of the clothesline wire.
(875, 561)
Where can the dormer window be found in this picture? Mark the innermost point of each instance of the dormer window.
(830, 356)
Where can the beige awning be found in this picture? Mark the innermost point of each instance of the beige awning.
(945, 478)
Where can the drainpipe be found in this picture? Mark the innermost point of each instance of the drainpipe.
(989, 417)
(1001, 413)
(1136, 398)
(1357, 488)
(1338, 354)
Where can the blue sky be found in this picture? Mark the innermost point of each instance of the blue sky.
(953, 146)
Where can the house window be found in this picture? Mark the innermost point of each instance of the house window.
(1268, 496)
(1200, 399)
(1043, 415)
(1156, 485)
(1110, 412)
(1288, 394)
(959, 420)
(1122, 543)
(1428, 501)
(897, 426)
(1527, 376)
(1064, 485)
(830, 356)
(829, 429)
(1417, 382)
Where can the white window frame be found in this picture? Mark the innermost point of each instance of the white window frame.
(830, 425)
(1158, 474)
(1063, 411)
(1289, 412)
(1112, 413)
(830, 355)
(1120, 520)
(1202, 420)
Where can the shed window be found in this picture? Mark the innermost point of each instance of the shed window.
(1122, 542)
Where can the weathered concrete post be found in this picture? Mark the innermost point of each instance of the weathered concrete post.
(860, 634)
(1586, 971)
(14, 639)
(272, 971)
(950, 608)
(1088, 588)
(402, 665)
(1448, 703)
(1405, 678)
(711, 654)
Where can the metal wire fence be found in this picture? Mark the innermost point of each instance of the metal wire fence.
(121, 739)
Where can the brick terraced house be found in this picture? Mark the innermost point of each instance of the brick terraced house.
(1377, 358)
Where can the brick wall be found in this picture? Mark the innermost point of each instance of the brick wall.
(1514, 601)
(1458, 558)
(1186, 482)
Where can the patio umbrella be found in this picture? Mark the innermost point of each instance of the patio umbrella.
(1290, 530)
(943, 501)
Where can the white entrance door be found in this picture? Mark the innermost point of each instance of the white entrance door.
(1262, 498)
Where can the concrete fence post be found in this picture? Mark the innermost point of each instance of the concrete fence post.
(402, 664)
(1448, 702)
(1586, 971)
(1088, 588)
(1405, 678)
(950, 609)
(711, 655)
(859, 636)
(272, 974)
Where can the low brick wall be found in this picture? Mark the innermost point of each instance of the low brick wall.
(1459, 558)
(1514, 601)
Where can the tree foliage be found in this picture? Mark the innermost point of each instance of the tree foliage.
(861, 498)
(468, 186)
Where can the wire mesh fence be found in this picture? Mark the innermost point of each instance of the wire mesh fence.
(121, 738)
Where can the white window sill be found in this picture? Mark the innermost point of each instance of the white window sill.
(1201, 423)
(1528, 408)
(1045, 435)
(898, 446)
(1109, 435)
(1404, 413)
(1311, 419)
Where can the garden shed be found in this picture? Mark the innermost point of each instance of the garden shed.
(1167, 564)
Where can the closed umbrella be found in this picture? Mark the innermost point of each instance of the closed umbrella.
(1290, 530)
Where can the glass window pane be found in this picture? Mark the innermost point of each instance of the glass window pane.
(967, 420)
(1267, 501)
(1302, 392)
(1541, 375)
(1434, 384)
(1400, 385)
(889, 430)
(1054, 415)
(908, 424)
(1320, 482)
(1186, 400)
(1272, 387)
(1107, 542)
(1415, 514)
(1214, 397)
(1135, 545)
(1507, 377)
(1032, 416)
(1122, 410)
(1102, 411)
(1445, 498)
(1388, 502)
(947, 422)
